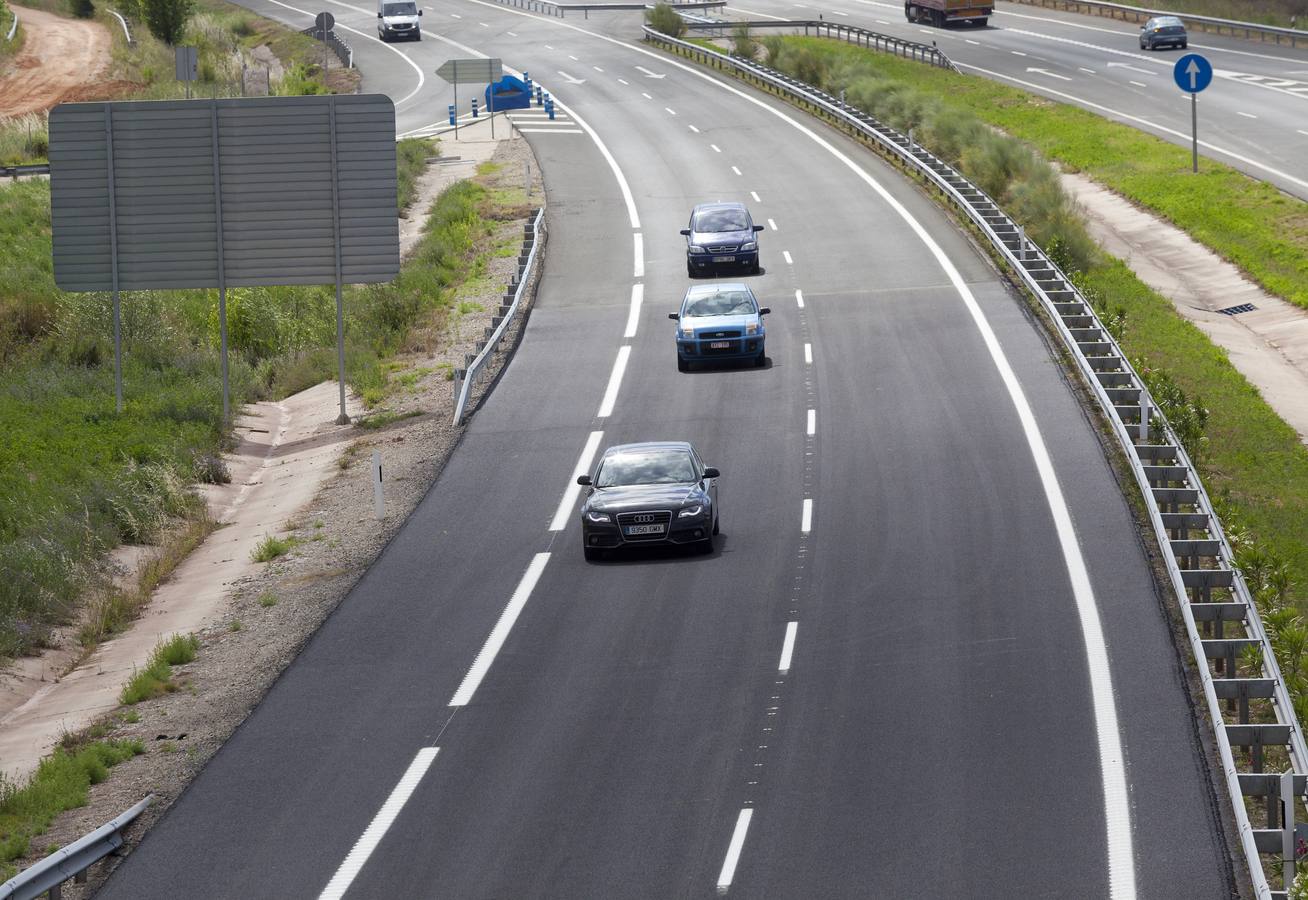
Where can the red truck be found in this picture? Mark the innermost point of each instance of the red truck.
(945, 12)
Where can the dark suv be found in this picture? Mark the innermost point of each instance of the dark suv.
(1162, 31)
(721, 234)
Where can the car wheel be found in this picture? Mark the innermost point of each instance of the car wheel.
(757, 269)
(591, 553)
(706, 545)
(910, 13)
(1184, 44)
(682, 365)
(982, 23)
(761, 360)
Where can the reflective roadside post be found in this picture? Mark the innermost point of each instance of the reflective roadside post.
(1192, 73)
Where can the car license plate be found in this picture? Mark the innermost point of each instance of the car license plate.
(719, 345)
(724, 259)
(645, 529)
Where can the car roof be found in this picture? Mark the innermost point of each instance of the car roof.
(645, 446)
(721, 204)
(699, 290)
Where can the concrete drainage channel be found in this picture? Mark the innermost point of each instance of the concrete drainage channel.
(1221, 621)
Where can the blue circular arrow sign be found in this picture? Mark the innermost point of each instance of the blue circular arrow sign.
(1193, 73)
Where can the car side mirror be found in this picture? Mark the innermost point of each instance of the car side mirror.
(583, 480)
(758, 228)
(685, 232)
(711, 472)
(379, 15)
(674, 316)
(764, 310)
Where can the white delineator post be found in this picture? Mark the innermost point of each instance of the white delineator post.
(378, 501)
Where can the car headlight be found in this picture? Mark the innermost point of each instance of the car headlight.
(687, 332)
(697, 249)
(598, 517)
(751, 328)
(691, 512)
(749, 245)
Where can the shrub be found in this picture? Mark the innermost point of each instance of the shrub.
(743, 42)
(81, 9)
(167, 19)
(665, 19)
(155, 679)
(272, 547)
(299, 80)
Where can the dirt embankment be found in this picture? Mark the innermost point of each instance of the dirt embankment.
(60, 59)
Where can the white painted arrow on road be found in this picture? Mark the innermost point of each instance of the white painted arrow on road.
(648, 73)
(1117, 65)
(569, 79)
(1050, 74)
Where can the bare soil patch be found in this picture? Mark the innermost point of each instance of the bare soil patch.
(59, 58)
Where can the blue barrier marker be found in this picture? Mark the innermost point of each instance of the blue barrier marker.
(538, 95)
(474, 107)
(452, 122)
(549, 108)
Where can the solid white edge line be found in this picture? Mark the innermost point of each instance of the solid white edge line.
(808, 354)
(733, 849)
(1079, 101)
(812, 422)
(615, 381)
(638, 260)
(633, 317)
(563, 514)
(500, 633)
(799, 298)
(806, 519)
(788, 647)
(550, 131)
(1117, 811)
(381, 823)
(422, 78)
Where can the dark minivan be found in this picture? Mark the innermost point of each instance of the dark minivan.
(1162, 31)
(721, 235)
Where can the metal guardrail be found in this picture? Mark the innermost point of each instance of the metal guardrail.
(16, 172)
(71, 861)
(13, 27)
(476, 365)
(863, 37)
(550, 8)
(1211, 592)
(1249, 30)
(342, 50)
(127, 32)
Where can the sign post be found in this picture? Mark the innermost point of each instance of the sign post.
(1192, 73)
(471, 71)
(187, 60)
(324, 22)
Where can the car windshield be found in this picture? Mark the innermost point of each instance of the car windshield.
(1167, 23)
(651, 467)
(711, 221)
(401, 9)
(721, 303)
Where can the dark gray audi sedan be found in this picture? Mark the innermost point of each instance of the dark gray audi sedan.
(651, 494)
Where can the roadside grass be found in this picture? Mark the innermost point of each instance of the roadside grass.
(61, 782)
(155, 679)
(272, 547)
(267, 599)
(411, 161)
(1247, 222)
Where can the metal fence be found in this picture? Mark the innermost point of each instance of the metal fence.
(466, 378)
(127, 32)
(873, 40)
(1290, 37)
(72, 861)
(342, 50)
(1251, 711)
(13, 26)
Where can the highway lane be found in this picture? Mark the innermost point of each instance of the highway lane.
(611, 745)
(1254, 117)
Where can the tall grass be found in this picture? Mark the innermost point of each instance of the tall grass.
(155, 679)
(61, 782)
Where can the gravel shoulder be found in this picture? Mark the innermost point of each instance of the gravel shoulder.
(251, 640)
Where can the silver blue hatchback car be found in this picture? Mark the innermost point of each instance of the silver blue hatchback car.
(720, 322)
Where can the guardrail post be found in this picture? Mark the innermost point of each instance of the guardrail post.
(1021, 243)
(1144, 417)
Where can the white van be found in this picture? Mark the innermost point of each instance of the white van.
(398, 19)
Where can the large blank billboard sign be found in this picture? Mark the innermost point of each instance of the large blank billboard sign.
(252, 191)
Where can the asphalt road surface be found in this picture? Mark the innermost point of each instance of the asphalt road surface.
(881, 683)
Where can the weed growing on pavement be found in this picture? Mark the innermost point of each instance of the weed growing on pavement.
(156, 678)
(272, 547)
(267, 599)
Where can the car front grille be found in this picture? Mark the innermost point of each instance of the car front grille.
(715, 335)
(645, 517)
(723, 248)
